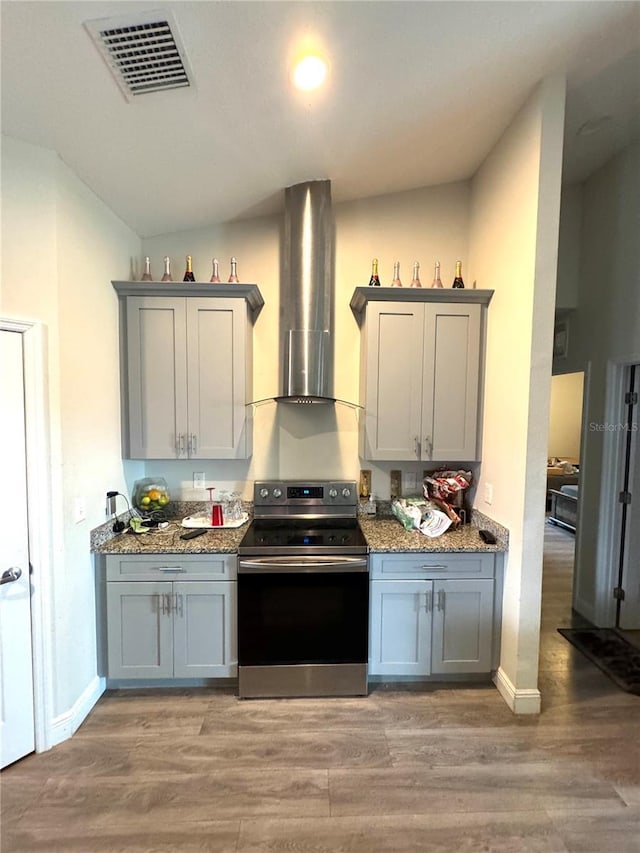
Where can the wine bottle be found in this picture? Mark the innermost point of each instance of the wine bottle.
(374, 281)
(146, 275)
(396, 275)
(234, 271)
(214, 274)
(188, 273)
(167, 269)
(415, 281)
(457, 281)
(436, 276)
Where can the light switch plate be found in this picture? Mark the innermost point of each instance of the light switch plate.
(199, 481)
(79, 511)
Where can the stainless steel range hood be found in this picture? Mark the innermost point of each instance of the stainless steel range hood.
(306, 295)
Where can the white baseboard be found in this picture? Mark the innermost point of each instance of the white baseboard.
(520, 701)
(584, 608)
(64, 725)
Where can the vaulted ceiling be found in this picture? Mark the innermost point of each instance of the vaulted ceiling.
(417, 94)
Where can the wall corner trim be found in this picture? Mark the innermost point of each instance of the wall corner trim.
(64, 725)
(520, 701)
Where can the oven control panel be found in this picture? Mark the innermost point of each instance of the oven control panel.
(305, 493)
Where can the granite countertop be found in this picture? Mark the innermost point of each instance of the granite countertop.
(385, 534)
(167, 540)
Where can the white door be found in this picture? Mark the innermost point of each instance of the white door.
(629, 614)
(16, 664)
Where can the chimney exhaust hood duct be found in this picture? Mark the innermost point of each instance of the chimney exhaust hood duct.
(306, 295)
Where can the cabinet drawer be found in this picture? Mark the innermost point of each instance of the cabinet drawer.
(146, 567)
(431, 565)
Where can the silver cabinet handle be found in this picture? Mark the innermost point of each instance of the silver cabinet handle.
(432, 569)
(179, 603)
(417, 446)
(428, 446)
(170, 569)
(180, 444)
(10, 575)
(161, 602)
(441, 595)
(193, 444)
(427, 602)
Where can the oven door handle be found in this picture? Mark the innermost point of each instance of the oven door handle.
(266, 565)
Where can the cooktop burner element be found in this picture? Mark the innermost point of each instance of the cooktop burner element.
(318, 537)
(309, 517)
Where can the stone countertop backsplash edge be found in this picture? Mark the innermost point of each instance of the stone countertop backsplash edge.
(386, 534)
(103, 539)
(383, 533)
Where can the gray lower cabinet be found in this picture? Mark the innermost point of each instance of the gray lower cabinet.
(427, 618)
(400, 615)
(171, 628)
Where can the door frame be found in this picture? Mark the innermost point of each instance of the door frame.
(40, 534)
(608, 553)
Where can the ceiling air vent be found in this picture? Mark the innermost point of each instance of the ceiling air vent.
(143, 52)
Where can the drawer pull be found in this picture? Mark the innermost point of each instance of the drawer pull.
(171, 569)
(433, 568)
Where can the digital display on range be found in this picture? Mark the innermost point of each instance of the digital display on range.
(305, 492)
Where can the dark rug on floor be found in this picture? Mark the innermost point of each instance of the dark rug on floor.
(610, 652)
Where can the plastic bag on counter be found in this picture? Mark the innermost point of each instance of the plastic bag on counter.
(421, 515)
(407, 513)
(447, 489)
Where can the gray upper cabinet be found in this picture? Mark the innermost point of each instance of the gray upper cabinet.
(186, 373)
(420, 373)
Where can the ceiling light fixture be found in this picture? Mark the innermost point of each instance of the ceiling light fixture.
(310, 73)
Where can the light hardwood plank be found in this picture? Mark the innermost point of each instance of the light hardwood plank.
(513, 832)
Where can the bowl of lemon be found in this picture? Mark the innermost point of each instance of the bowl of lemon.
(151, 494)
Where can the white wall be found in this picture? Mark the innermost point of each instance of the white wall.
(427, 224)
(61, 246)
(513, 244)
(569, 246)
(604, 331)
(565, 416)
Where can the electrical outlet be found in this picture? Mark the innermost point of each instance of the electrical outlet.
(488, 493)
(410, 482)
(199, 480)
(79, 511)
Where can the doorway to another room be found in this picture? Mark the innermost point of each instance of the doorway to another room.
(627, 588)
(563, 475)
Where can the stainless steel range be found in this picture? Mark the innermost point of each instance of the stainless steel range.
(303, 592)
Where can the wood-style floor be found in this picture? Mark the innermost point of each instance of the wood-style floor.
(438, 769)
